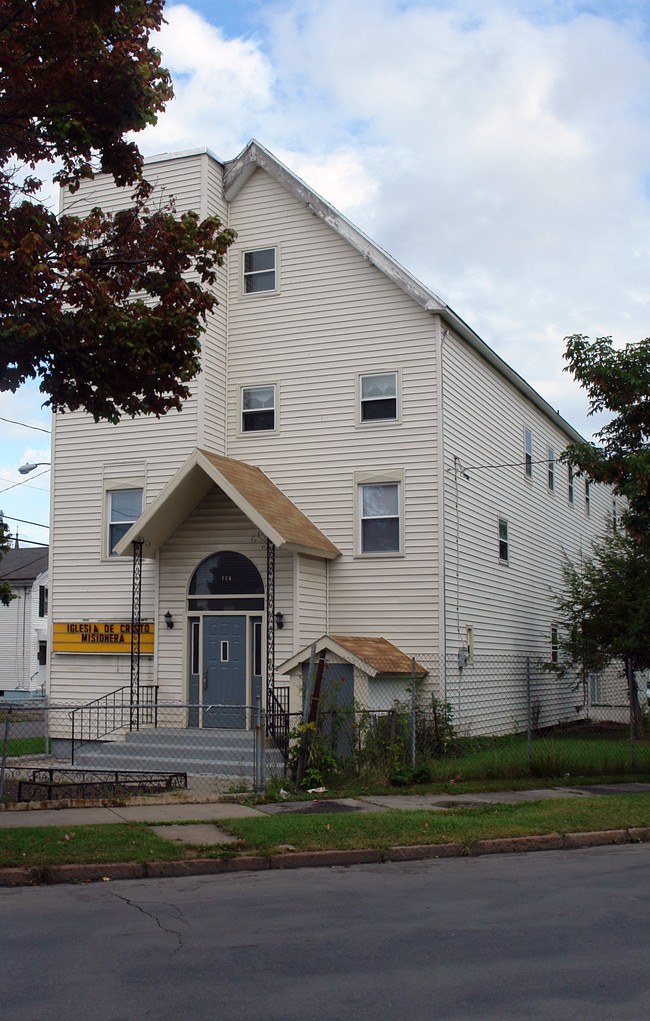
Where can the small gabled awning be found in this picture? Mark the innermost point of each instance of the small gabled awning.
(248, 488)
(372, 655)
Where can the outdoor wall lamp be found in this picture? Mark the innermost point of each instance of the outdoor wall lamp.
(169, 621)
(279, 620)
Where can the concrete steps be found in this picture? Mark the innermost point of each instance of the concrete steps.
(216, 752)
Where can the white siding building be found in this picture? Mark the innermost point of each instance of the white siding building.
(23, 623)
(353, 461)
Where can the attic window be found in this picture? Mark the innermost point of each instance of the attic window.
(259, 271)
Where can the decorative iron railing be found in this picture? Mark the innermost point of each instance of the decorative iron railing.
(277, 718)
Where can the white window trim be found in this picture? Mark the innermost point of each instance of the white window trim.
(109, 486)
(370, 423)
(240, 410)
(251, 295)
(387, 476)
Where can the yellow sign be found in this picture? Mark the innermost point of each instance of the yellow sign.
(104, 636)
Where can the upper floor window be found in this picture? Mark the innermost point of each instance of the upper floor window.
(551, 468)
(503, 540)
(378, 397)
(528, 453)
(614, 515)
(555, 644)
(42, 600)
(380, 517)
(259, 271)
(570, 483)
(257, 408)
(124, 508)
(587, 496)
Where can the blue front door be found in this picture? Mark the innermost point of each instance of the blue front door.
(224, 671)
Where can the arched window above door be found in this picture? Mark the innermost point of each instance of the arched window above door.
(226, 581)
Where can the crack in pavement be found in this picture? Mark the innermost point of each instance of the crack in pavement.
(172, 932)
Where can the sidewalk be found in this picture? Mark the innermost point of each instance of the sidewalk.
(205, 829)
(171, 810)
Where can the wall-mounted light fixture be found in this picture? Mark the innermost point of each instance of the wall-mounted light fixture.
(279, 620)
(169, 621)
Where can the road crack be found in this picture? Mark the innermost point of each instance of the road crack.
(172, 932)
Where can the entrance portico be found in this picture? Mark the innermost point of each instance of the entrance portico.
(220, 532)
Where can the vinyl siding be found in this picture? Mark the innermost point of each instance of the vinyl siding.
(87, 584)
(509, 605)
(334, 317)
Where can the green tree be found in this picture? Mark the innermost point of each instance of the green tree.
(605, 605)
(617, 382)
(99, 307)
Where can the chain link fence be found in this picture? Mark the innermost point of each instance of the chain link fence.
(491, 718)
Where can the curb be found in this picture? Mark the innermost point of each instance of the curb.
(163, 799)
(52, 874)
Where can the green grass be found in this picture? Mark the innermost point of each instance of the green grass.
(101, 844)
(464, 825)
(26, 746)
(113, 842)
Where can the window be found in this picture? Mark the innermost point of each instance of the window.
(124, 508)
(42, 600)
(528, 453)
(587, 497)
(259, 271)
(378, 397)
(257, 408)
(42, 653)
(570, 484)
(614, 516)
(555, 644)
(551, 468)
(503, 540)
(380, 517)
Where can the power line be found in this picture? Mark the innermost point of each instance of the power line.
(32, 542)
(25, 424)
(512, 464)
(24, 483)
(23, 522)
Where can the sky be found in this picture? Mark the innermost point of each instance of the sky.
(498, 149)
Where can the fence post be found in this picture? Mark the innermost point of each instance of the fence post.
(259, 746)
(413, 712)
(631, 694)
(4, 752)
(529, 748)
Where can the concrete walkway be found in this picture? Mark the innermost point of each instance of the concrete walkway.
(179, 812)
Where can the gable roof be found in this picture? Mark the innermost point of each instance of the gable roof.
(248, 488)
(22, 566)
(254, 156)
(372, 655)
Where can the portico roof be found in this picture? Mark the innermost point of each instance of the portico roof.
(248, 487)
(372, 655)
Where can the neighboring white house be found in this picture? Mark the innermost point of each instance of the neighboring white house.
(354, 462)
(23, 624)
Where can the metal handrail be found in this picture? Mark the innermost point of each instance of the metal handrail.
(117, 714)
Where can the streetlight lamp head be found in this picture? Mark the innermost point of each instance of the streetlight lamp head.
(25, 469)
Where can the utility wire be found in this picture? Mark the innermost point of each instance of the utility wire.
(23, 522)
(29, 486)
(14, 422)
(24, 483)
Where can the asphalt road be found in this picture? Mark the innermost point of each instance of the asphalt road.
(550, 935)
